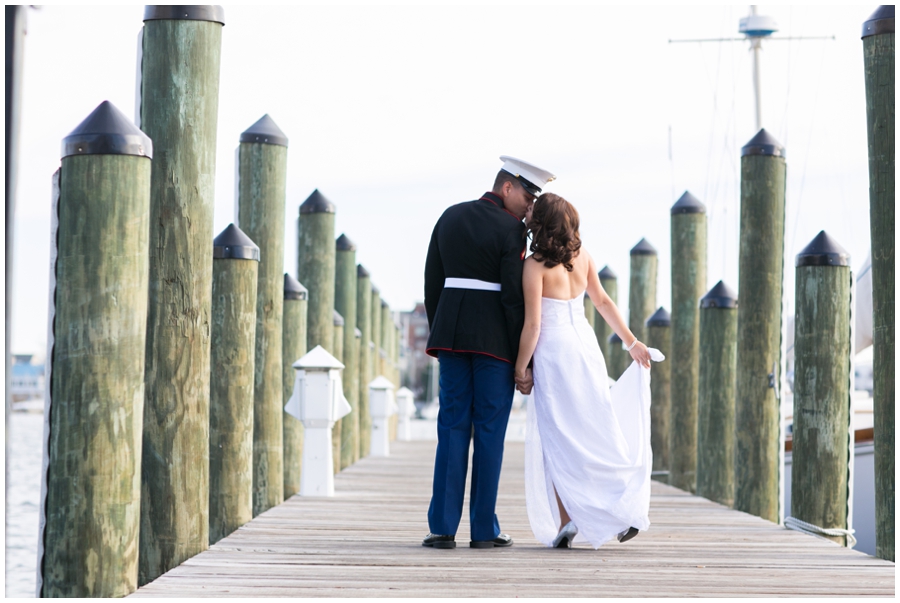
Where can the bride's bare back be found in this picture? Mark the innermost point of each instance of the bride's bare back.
(559, 283)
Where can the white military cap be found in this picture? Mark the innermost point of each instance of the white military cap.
(532, 178)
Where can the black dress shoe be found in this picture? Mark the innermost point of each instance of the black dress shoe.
(438, 541)
(627, 534)
(502, 540)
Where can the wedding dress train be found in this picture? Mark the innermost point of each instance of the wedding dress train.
(589, 440)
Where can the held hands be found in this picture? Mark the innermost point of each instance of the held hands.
(640, 354)
(524, 381)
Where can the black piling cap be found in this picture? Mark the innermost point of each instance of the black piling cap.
(720, 296)
(338, 319)
(107, 131)
(880, 22)
(316, 203)
(384, 304)
(614, 339)
(823, 251)
(763, 144)
(688, 204)
(233, 244)
(643, 248)
(607, 274)
(660, 318)
(161, 12)
(265, 131)
(361, 272)
(344, 243)
(293, 289)
(375, 289)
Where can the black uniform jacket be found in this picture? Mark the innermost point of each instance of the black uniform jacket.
(476, 240)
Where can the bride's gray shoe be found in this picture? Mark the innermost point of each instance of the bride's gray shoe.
(626, 535)
(564, 539)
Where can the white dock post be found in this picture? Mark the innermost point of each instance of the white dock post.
(381, 407)
(318, 401)
(406, 409)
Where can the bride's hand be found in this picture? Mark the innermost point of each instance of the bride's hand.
(524, 381)
(640, 354)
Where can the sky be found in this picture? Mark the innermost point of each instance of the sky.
(397, 112)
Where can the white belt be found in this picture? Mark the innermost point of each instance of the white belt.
(470, 283)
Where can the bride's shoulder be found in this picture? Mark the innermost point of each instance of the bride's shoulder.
(584, 256)
(534, 267)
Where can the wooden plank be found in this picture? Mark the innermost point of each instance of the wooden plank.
(366, 542)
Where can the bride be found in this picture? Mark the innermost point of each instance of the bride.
(587, 446)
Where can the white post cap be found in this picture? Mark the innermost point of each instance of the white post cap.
(318, 359)
(381, 382)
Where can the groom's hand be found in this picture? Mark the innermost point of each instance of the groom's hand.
(524, 382)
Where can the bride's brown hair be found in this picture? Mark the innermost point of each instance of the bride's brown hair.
(554, 231)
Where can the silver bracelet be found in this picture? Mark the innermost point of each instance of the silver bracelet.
(633, 343)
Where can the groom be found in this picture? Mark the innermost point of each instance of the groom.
(473, 297)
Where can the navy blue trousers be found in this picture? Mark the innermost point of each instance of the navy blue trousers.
(476, 390)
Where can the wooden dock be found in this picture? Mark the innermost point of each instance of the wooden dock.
(366, 542)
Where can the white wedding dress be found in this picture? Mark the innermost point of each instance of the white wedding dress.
(590, 440)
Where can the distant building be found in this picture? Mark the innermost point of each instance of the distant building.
(27, 380)
(414, 329)
(865, 378)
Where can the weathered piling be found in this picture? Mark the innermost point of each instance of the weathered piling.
(718, 365)
(688, 286)
(761, 270)
(391, 363)
(294, 348)
(93, 490)
(315, 267)
(261, 196)
(376, 332)
(396, 352)
(337, 431)
(364, 322)
(389, 328)
(619, 359)
(179, 89)
(659, 336)
(345, 303)
(590, 313)
(821, 432)
(385, 340)
(236, 260)
(16, 25)
(878, 52)
(357, 421)
(601, 327)
(387, 365)
(642, 287)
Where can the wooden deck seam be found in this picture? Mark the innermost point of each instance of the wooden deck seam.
(365, 542)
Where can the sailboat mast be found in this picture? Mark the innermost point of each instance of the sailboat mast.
(756, 46)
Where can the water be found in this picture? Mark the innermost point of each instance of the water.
(23, 502)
